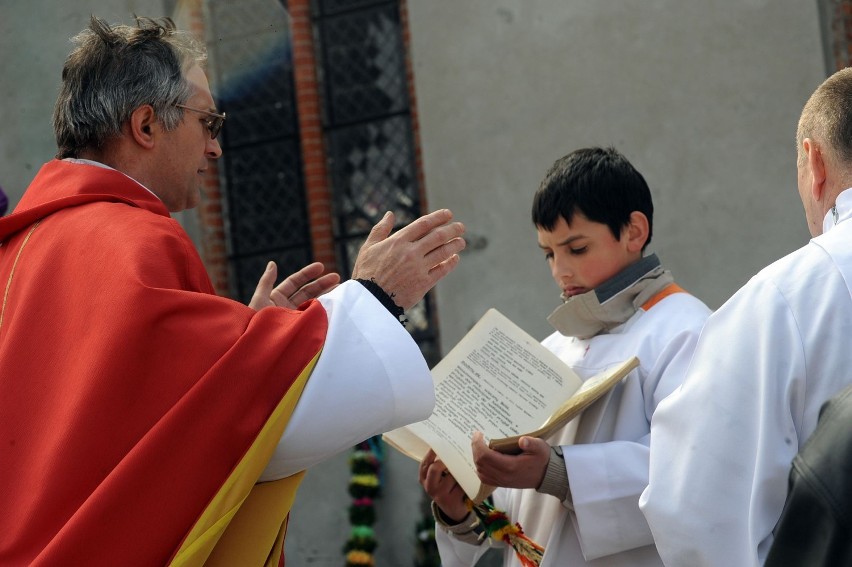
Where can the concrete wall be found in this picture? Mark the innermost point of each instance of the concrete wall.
(34, 41)
(702, 97)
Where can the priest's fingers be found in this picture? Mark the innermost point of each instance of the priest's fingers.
(380, 231)
(316, 288)
(260, 298)
(425, 225)
(310, 290)
(409, 263)
(439, 271)
(438, 237)
(293, 282)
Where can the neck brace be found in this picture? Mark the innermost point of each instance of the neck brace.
(611, 303)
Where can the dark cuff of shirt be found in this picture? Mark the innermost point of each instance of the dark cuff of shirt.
(387, 300)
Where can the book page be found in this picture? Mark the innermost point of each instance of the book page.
(591, 390)
(498, 380)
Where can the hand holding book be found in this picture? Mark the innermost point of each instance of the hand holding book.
(500, 381)
(524, 469)
(443, 488)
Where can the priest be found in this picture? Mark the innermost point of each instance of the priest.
(144, 420)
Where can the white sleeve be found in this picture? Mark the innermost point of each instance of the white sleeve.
(607, 479)
(723, 443)
(370, 378)
(457, 553)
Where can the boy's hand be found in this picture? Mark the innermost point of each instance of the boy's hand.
(525, 470)
(441, 487)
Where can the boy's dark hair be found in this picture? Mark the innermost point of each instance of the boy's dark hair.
(598, 182)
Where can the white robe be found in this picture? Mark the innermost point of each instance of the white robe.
(370, 378)
(608, 464)
(765, 363)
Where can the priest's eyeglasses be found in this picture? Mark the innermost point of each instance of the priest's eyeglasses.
(214, 123)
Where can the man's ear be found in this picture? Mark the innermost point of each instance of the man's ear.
(816, 167)
(142, 123)
(636, 231)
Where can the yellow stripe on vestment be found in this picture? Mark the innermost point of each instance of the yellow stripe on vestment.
(244, 524)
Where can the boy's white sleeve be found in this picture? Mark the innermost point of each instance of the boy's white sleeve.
(457, 553)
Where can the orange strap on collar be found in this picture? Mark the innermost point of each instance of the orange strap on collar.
(662, 294)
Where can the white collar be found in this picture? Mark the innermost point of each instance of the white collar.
(80, 161)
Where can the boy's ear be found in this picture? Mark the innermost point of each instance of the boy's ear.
(637, 231)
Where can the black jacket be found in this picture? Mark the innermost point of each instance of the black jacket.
(815, 527)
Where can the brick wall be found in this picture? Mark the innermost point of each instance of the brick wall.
(210, 212)
(314, 160)
(415, 124)
(837, 18)
(311, 136)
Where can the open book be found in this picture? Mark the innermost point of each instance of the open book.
(501, 381)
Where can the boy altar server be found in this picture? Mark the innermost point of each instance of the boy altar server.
(577, 495)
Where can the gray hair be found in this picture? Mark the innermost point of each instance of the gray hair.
(827, 118)
(116, 69)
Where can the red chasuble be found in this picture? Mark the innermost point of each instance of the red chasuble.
(137, 408)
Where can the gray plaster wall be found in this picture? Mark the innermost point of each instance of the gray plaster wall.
(34, 41)
(35, 38)
(702, 97)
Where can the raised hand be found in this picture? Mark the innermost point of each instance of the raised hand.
(410, 262)
(307, 283)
